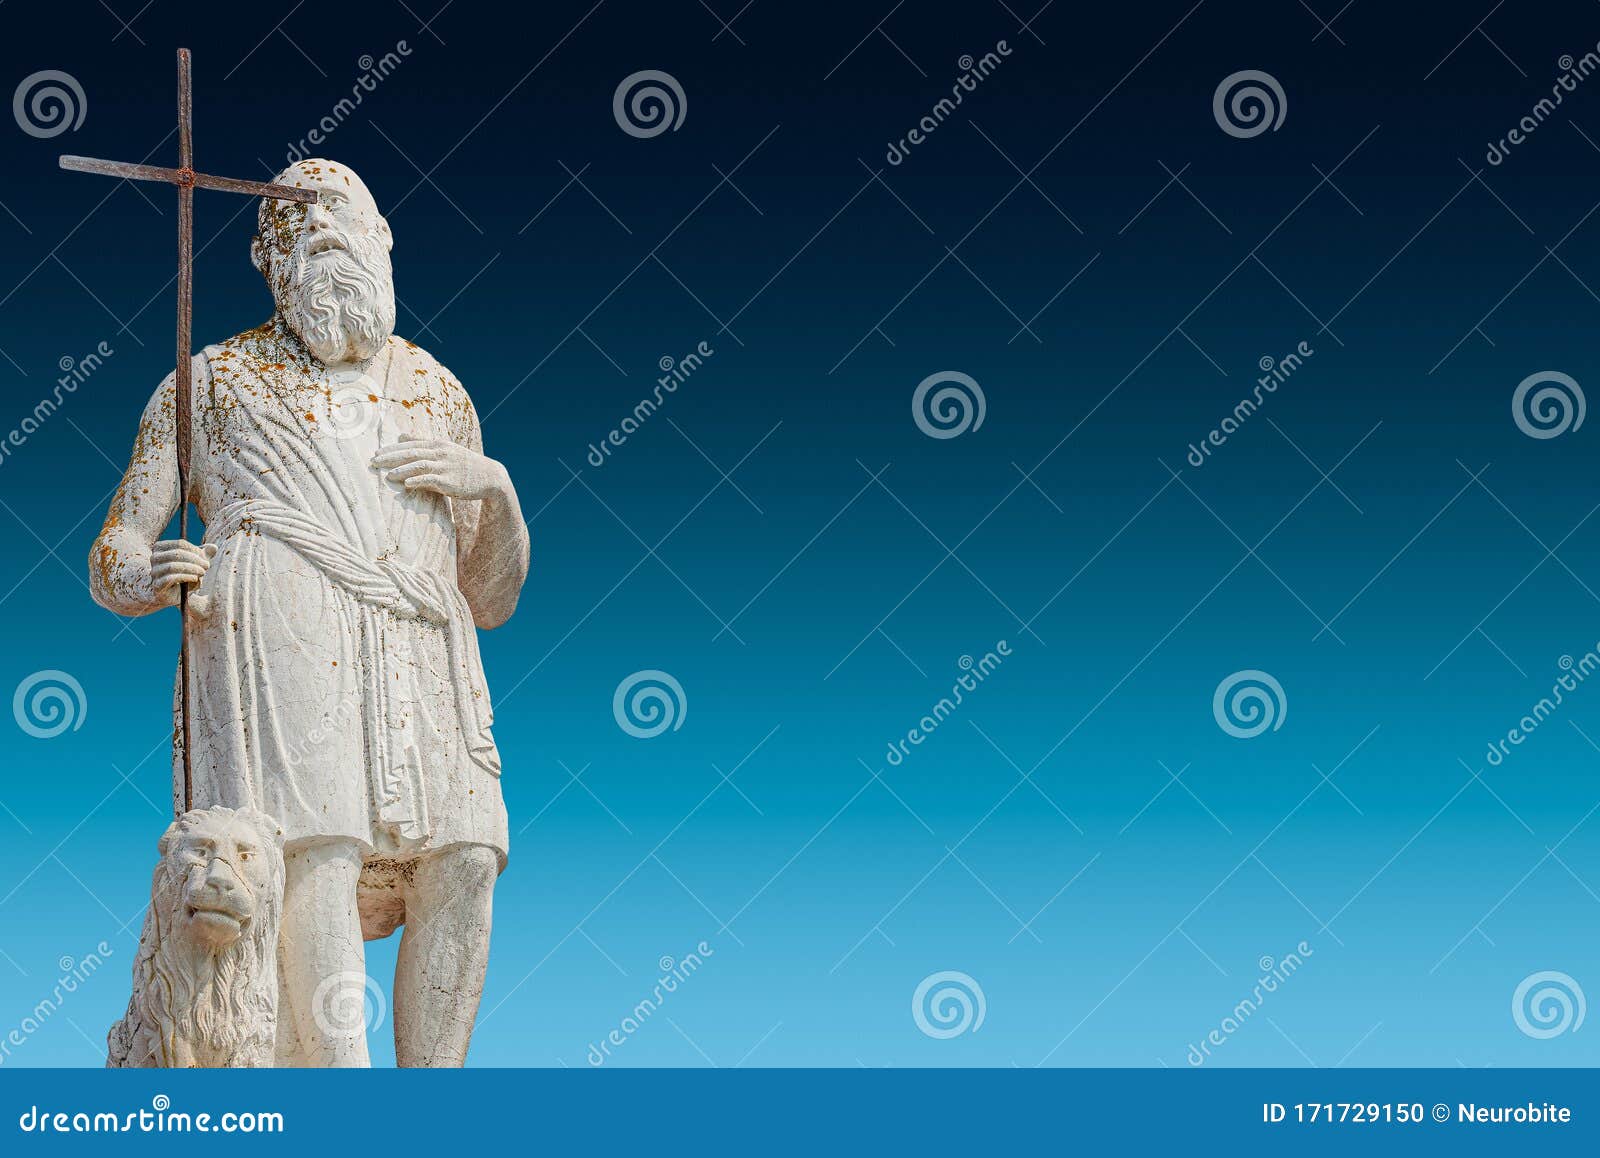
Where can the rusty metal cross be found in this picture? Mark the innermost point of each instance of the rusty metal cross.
(187, 181)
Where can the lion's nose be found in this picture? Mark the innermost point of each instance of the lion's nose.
(220, 876)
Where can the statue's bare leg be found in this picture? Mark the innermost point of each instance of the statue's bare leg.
(321, 960)
(443, 954)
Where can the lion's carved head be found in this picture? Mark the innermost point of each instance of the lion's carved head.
(205, 978)
(227, 868)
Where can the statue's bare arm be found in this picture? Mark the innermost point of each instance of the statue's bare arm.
(133, 571)
(491, 537)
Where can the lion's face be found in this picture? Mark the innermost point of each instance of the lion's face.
(226, 869)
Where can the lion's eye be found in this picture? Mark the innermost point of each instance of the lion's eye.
(243, 855)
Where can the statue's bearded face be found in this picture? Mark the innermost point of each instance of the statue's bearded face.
(328, 263)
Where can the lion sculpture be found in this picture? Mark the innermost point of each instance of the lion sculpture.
(205, 980)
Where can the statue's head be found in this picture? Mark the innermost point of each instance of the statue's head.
(221, 873)
(328, 262)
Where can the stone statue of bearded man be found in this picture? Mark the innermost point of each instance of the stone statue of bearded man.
(355, 537)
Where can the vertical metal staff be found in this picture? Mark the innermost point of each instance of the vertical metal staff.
(184, 390)
(187, 181)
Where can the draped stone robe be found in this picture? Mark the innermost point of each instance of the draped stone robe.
(336, 681)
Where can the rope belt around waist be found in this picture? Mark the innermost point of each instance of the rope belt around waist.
(386, 585)
(394, 586)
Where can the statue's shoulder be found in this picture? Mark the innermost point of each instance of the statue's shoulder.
(263, 342)
(432, 381)
(421, 364)
(257, 349)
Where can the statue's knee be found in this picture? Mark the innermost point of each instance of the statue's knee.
(471, 868)
(481, 863)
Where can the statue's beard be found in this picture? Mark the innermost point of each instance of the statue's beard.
(341, 304)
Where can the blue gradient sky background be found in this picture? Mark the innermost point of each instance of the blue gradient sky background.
(1035, 841)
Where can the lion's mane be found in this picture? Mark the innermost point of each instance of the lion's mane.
(192, 1005)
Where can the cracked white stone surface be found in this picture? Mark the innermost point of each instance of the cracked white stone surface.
(356, 539)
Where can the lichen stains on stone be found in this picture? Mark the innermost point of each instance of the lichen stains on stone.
(388, 873)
